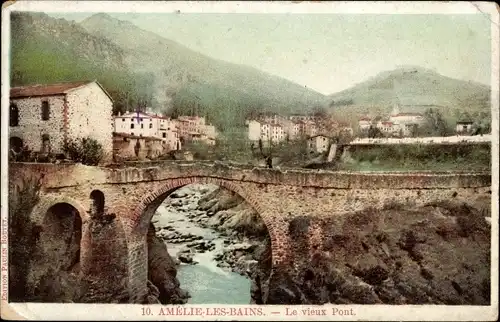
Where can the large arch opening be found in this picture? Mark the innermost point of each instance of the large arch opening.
(57, 254)
(218, 246)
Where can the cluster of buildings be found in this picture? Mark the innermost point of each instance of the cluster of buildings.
(174, 132)
(403, 124)
(43, 117)
(397, 124)
(275, 129)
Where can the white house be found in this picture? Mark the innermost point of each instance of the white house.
(405, 122)
(277, 133)
(43, 117)
(254, 131)
(464, 126)
(149, 125)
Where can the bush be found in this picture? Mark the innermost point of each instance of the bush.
(85, 150)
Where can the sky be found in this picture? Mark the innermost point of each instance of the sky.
(329, 52)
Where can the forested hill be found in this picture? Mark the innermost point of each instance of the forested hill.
(140, 68)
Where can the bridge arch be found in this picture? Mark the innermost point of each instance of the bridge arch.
(150, 202)
(144, 211)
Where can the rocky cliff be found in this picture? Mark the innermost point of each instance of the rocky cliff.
(438, 254)
(163, 284)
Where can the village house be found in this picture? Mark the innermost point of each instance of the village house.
(254, 130)
(364, 123)
(265, 132)
(277, 133)
(405, 122)
(44, 117)
(464, 126)
(149, 125)
(310, 128)
(195, 128)
(387, 127)
(296, 129)
(318, 143)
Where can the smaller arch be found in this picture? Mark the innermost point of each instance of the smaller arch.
(97, 205)
(47, 202)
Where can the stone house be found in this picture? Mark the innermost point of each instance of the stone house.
(44, 117)
(195, 128)
(318, 143)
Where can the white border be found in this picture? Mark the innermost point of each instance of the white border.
(44, 311)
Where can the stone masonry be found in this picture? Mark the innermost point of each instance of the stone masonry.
(132, 194)
(72, 110)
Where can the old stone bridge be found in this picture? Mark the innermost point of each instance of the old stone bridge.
(121, 202)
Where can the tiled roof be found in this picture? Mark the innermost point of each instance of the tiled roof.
(49, 89)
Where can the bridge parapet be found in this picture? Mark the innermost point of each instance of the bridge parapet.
(67, 175)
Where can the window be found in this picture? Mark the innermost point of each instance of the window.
(150, 125)
(132, 125)
(142, 126)
(132, 133)
(164, 134)
(123, 120)
(464, 127)
(45, 111)
(14, 115)
(140, 119)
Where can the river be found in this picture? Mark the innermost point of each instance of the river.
(205, 281)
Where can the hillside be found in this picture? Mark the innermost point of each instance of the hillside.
(141, 68)
(46, 50)
(414, 88)
(190, 78)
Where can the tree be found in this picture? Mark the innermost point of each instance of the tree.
(374, 132)
(434, 124)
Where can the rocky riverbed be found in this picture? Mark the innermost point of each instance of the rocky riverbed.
(215, 229)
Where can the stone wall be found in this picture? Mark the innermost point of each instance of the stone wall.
(90, 115)
(127, 147)
(31, 126)
(154, 148)
(124, 148)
